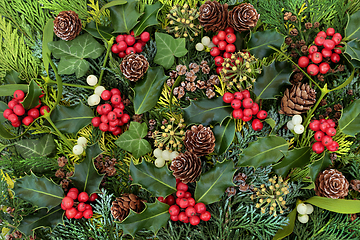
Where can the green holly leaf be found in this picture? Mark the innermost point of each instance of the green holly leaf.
(206, 111)
(105, 31)
(72, 54)
(224, 135)
(154, 217)
(349, 122)
(259, 42)
(31, 99)
(48, 36)
(213, 183)
(149, 18)
(352, 27)
(298, 157)
(9, 89)
(353, 50)
(124, 17)
(158, 181)
(42, 147)
(3, 107)
(168, 48)
(40, 191)
(263, 152)
(319, 165)
(342, 206)
(132, 140)
(289, 228)
(86, 178)
(12, 77)
(148, 90)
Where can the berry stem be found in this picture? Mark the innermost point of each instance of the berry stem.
(109, 45)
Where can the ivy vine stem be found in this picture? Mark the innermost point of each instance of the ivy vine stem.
(109, 45)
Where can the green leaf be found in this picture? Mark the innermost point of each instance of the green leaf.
(298, 157)
(104, 31)
(149, 18)
(36, 147)
(168, 48)
(271, 122)
(353, 49)
(213, 183)
(12, 77)
(224, 135)
(124, 17)
(158, 181)
(259, 41)
(32, 98)
(48, 36)
(263, 152)
(148, 91)
(42, 218)
(206, 111)
(40, 191)
(9, 89)
(3, 107)
(349, 122)
(112, 4)
(288, 229)
(154, 217)
(319, 165)
(72, 54)
(86, 178)
(272, 78)
(132, 141)
(336, 205)
(352, 27)
(4, 133)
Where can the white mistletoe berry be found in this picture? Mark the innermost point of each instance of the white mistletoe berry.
(82, 141)
(303, 218)
(301, 208)
(159, 162)
(199, 47)
(173, 155)
(77, 149)
(94, 100)
(296, 119)
(157, 153)
(206, 41)
(166, 155)
(290, 125)
(299, 129)
(99, 90)
(92, 80)
(309, 208)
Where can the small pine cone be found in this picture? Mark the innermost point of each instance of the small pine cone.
(200, 140)
(337, 107)
(294, 32)
(186, 167)
(210, 93)
(200, 84)
(337, 115)
(69, 174)
(213, 16)
(243, 187)
(355, 185)
(62, 161)
(181, 69)
(121, 206)
(9, 237)
(231, 191)
(214, 80)
(293, 18)
(134, 66)
(137, 117)
(287, 15)
(65, 184)
(316, 24)
(205, 69)
(304, 49)
(323, 102)
(331, 184)
(17, 234)
(110, 171)
(67, 25)
(243, 17)
(350, 92)
(240, 177)
(173, 74)
(170, 82)
(60, 173)
(308, 25)
(288, 41)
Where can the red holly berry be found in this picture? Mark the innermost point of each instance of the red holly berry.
(115, 49)
(79, 215)
(317, 57)
(313, 49)
(130, 40)
(115, 91)
(312, 69)
(104, 119)
(324, 126)
(205, 216)
(215, 40)
(255, 109)
(214, 51)
(246, 119)
(106, 95)
(191, 202)
(72, 194)
(227, 55)
(88, 214)
(62, 207)
(318, 147)
(322, 34)
(335, 58)
(303, 61)
(247, 103)
(257, 125)
(315, 125)
(182, 186)
(329, 44)
(70, 213)
(13, 118)
(221, 35)
(93, 197)
(19, 95)
(238, 95)
(120, 38)
(174, 210)
(145, 37)
(7, 112)
(161, 199)
(174, 218)
(74, 190)
(87, 207)
(326, 52)
(190, 211)
(96, 121)
(27, 120)
(230, 48)
(337, 49)
(187, 195)
(228, 97)
(229, 30)
(183, 218)
(81, 207)
(333, 147)
(331, 131)
(236, 104)
(330, 31)
(222, 45)
(83, 197)
(125, 118)
(238, 114)
(326, 140)
(337, 38)
(247, 113)
(230, 38)
(180, 193)
(34, 113)
(324, 67)
(200, 207)
(111, 116)
(194, 220)
(170, 200)
(218, 61)
(114, 123)
(44, 108)
(319, 135)
(245, 93)
(262, 114)
(122, 54)
(138, 47)
(121, 46)
(319, 40)
(218, 69)
(130, 50)
(115, 99)
(331, 123)
(183, 203)
(16, 123)
(67, 202)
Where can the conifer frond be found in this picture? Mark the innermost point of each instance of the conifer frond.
(95, 12)
(164, 102)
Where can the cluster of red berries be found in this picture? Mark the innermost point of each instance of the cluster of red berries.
(185, 210)
(324, 131)
(224, 46)
(82, 209)
(248, 110)
(126, 44)
(328, 41)
(16, 112)
(112, 115)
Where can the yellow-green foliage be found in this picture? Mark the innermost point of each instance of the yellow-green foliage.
(164, 101)
(95, 12)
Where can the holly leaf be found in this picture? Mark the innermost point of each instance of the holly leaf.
(213, 183)
(86, 178)
(154, 217)
(206, 111)
(9, 89)
(48, 36)
(352, 27)
(3, 107)
(168, 48)
(343, 206)
(298, 157)
(41, 218)
(12, 77)
(263, 152)
(259, 42)
(124, 17)
(40, 191)
(105, 31)
(31, 100)
(224, 135)
(349, 122)
(319, 165)
(149, 18)
(158, 181)
(42, 147)
(353, 50)
(289, 228)
(72, 54)
(132, 140)
(272, 78)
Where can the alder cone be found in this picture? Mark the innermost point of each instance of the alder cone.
(213, 16)
(200, 140)
(243, 17)
(67, 25)
(121, 206)
(186, 167)
(298, 100)
(331, 184)
(134, 66)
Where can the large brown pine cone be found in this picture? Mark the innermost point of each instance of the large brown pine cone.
(134, 66)
(121, 206)
(200, 140)
(186, 167)
(298, 100)
(213, 16)
(67, 25)
(243, 17)
(331, 184)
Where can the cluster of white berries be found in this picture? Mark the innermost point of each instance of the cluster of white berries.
(303, 210)
(94, 99)
(162, 156)
(295, 124)
(79, 147)
(205, 42)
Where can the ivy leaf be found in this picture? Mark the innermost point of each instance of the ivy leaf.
(352, 27)
(213, 183)
(40, 191)
(298, 157)
(32, 98)
(274, 76)
(36, 147)
(42, 218)
(104, 31)
(86, 178)
(159, 181)
(168, 48)
(12, 77)
(149, 18)
(353, 49)
(154, 217)
(319, 165)
(343, 206)
(224, 135)
(206, 111)
(72, 54)
(349, 122)
(124, 17)
(259, 41)
(263, 152)
(132, 140)
(9, 89)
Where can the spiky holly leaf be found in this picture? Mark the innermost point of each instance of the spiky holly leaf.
(319, 165)
(124, 17)
(224, 135)
(31, 99)
(349, 122)
(36, 147)
(298, 157)
(352, 30)
(259, 42)
(149, 18)
(9, 89)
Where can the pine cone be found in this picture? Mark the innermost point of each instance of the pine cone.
(243, 17)
(67, 25)
(298, 100)
(186, 167)
(331, 184)
(200, 140)
(134, 66)
(355, 185)
(213, 16)
(121, 206)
